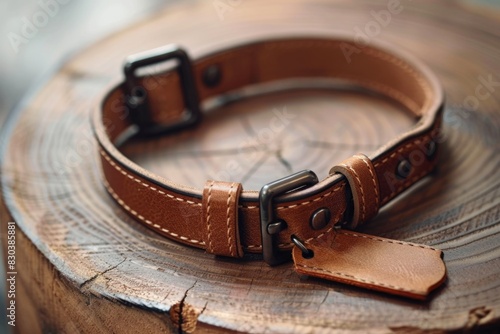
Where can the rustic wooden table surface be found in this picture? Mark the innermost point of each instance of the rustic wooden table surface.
(85, 265)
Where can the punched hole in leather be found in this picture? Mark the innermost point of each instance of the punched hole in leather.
(392, 266)
(225, 220)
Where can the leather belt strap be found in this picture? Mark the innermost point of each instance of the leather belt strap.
(222, 218)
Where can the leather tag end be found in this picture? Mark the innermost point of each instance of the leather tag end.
(390, 266)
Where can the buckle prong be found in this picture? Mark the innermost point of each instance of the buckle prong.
(269, 226)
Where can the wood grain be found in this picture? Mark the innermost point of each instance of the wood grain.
(85, 265)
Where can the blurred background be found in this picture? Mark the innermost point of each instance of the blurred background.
(37, 35)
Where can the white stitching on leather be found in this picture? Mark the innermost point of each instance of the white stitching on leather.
(410, 181)
(406, 184)
(363, 208)
(228, 220)
(118, 168)
(389, 91)
(147, 221)
(368, 281)
(241, 206)
(352, 234)
(210, 247)
(395, 94)
(336, 220)
(403, 98)
(113, 164)
(364, 159)
(370, 52)
(351, 277)
(413, 143)
(337, 188)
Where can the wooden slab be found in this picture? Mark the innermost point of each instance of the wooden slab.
(83, 264)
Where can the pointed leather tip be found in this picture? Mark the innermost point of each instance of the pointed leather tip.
(390, 266)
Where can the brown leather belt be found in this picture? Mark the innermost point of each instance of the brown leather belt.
(225, 220)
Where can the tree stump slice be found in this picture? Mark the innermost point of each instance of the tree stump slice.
(84, 265)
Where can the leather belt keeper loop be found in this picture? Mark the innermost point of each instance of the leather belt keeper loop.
(220, 215)
(363, 182)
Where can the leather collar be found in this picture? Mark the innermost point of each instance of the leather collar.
(224, 219)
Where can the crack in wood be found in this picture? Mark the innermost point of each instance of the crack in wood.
(344, 146)
(219, 152)
(247, 127)
(476, 316)
(204, 308)
(254, 168)
(93, 278)
(183, 315)
(283, 161)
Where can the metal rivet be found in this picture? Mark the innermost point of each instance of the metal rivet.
(431, 149)
(320, 218)
(212, 75)
(404, 169)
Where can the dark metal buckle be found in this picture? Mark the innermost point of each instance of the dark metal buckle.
(269, 226)
(137, 99)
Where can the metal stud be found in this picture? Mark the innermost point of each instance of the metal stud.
(404, 169)
(212, 75)
(320, 218)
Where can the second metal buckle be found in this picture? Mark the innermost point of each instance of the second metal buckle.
(137, 99)
(269, 226)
